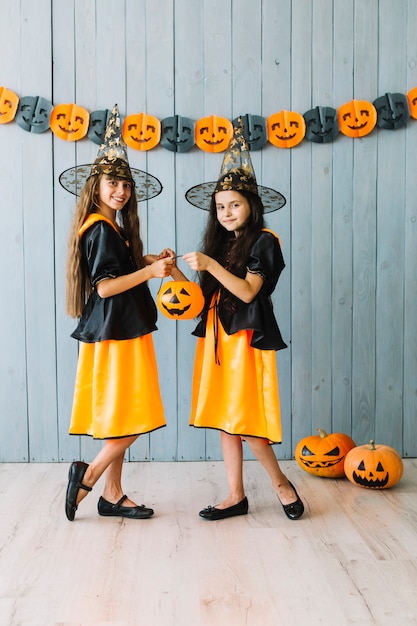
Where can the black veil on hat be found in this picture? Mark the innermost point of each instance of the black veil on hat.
(236, 173)
(112, 159)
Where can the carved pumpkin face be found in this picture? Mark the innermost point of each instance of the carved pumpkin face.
(323, 454)
(392, 110)
(141, 131)
(286, 129)
(177, 133)
(321, 124)
(357, 118)
(373, 466)
(33, 114)
(180, 299)
(412, 102)
(213, 134)
(98, 125)
(254, 130)
(8, 105)
(69, 121)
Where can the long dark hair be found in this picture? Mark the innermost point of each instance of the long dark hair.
(230, 251)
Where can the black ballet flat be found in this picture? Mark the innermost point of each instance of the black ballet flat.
(75, 476)
(116, 510)
(294, 510)
(211, 513)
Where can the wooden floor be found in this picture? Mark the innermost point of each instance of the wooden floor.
(352, 559)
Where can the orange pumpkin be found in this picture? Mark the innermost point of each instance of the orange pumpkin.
(69, 121)
(323, 454)
(141, 131)
(286, 129)
(373, 466)
(8, 105)
(180, 299)
(213, 134)
(357, 118)
(412, 102)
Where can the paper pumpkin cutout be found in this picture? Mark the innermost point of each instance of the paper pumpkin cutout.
(69, 121)
(412, 102)
(286, 129)
(213, 134)
(8, 105)
(321, 124)
(180, 299)
(254, 130)
(98, 124)
(141, 131)
(177, 133)
(357, 118)
(392, 111)
(33, 114)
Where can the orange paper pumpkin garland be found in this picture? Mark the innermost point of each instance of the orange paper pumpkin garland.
(69, 121)
(141, 131)
(213, 134)
(8, 105)
(357, 118)
(286, 129)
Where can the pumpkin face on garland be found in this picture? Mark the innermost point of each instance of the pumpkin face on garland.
(8, 105)
(286, 129)
(357, 118)
(392, 110)
(180, 299)
(33, 114)
(69, 121)
(213, 133)
(373, 466)
(141, 131)
(323, 454)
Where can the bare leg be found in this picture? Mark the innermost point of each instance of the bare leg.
(265, 455)
(233, 461)
(109, 458)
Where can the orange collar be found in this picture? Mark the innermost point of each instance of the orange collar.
(92, 219)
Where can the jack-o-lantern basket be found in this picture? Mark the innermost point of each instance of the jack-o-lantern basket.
(180, 299)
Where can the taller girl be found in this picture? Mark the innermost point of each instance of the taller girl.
(235, 383)
(117, 396)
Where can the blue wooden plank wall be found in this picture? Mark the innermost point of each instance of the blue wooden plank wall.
(347, 299)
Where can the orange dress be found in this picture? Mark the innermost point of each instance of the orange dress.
(235, 385)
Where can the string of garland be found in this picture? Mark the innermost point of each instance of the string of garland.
(142, 131)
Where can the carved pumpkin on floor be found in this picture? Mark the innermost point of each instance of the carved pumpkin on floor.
(357, 118)
(69, 121)
(373, 466)
(8, 105)
(323, 454)
(180, 299)
(286, 129)
(213, 134)
(141, 131)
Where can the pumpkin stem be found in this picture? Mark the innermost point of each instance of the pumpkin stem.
(372, 445)
(321, 432)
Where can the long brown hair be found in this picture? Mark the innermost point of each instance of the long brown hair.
(230, 251)
(78, 286)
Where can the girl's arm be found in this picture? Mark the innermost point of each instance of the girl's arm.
(161, 268)
(243, 288)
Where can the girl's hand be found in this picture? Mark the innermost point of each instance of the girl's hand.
(161, 268)
(166, 253)
(197, 261)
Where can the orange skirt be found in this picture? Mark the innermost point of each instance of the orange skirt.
(240, 396)
(117, 389)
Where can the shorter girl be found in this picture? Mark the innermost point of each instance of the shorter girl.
(117, 395)
(235, 384)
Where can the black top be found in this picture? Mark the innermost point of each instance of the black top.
(125, 316)
(266, 260)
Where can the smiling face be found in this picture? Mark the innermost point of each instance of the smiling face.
(233, 210)
(177, 133)
(392, 110)
(69, 121)
(286, 129)
(8, 105)
(141, 131)
(213, 134)
(98, 124)
(321, 124)
(254, 130)
(357, 118)
(33, 114)
(113, 194)
(180, 300)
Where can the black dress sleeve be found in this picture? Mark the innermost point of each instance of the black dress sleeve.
(102, 248)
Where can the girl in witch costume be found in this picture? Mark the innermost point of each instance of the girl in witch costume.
(235, 383)
(117, 394)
